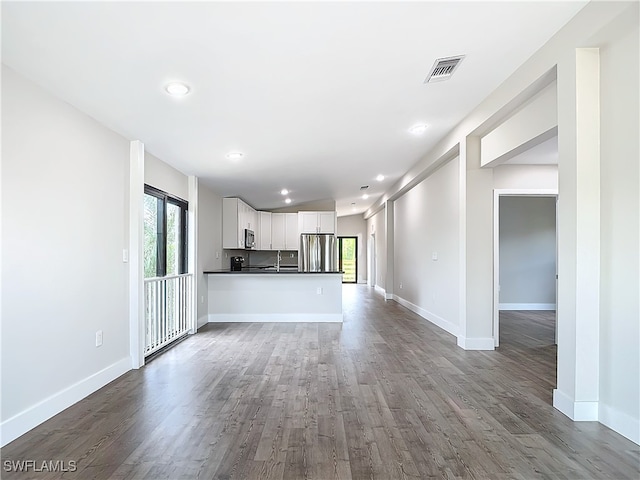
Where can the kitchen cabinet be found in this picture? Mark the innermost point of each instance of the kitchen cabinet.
(236, 217)
(278, 227)
(273, 231)
(292, 237)
(264, 234)
(284, 231)
(317, 222)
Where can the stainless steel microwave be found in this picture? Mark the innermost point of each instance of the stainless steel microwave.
(249, 239)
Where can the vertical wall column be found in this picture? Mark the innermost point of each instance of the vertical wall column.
(389, 232)
(577, 392)
(192, 251)
(476, 326)
(136, 254)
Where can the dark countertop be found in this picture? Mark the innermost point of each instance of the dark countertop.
(262, 270)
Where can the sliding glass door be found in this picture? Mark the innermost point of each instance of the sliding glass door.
(348, 255)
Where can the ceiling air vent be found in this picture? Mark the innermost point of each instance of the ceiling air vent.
(364, 187)
(443, 68)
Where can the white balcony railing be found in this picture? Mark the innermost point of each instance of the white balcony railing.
(167, 310)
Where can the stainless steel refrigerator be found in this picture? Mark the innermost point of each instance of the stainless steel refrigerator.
(318, 253)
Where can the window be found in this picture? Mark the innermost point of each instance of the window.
(165, 234)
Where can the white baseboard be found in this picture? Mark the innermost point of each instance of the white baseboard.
(476, 343)
(432, 317)
(33, 416)
(527, 306)
(624, 424)
(380, 290)
(275, 317)
(576, 411)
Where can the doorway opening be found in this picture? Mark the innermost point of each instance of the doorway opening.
(525, 254)
(348, 258)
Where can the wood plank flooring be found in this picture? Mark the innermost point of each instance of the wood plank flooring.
(386, 395)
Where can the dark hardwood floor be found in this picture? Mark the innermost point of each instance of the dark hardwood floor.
(385, 395)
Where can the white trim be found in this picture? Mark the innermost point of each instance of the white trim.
(136, 255)
(275, 317)
(624, 424)
(380, 290)
(33, 416)
(388, 296)
(527, 306)
(497, 193)
(576, 411)
(476, 343)
(427, 315)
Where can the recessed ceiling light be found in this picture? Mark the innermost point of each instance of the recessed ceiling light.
(235, 155)
(380, 178)
(365, 196)
(177, 89)
(418, 128)
(287, 200)
(284, 191)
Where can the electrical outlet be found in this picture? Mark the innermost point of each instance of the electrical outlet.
(400, 285)
(202, 299)
(217, 254)
(319, 290)
(292, 255)
(434, 256)
(98, 338)
(125, 255)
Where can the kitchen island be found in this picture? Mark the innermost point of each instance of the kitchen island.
(262, 295)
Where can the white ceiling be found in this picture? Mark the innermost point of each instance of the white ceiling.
(319, 96)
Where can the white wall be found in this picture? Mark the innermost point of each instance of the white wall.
(599, 25)
(209, 244)
(356, 226)
(426, 224)
(164, 177)
(527, 253)
(64, 228)
(620, 236)
(543, 177)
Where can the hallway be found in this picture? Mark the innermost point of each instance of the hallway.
(384, 395)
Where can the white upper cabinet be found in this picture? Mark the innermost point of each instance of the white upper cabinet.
(317, 222)
(327, 222)
(273, 231)
(236, 216)
(284, 231)
(278, 231)
(308, 222)
(292, 237)
(264, 235)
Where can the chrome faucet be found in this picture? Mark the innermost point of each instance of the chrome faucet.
(278, 261)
